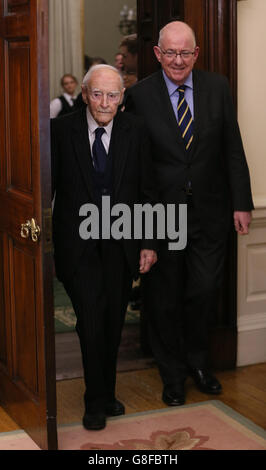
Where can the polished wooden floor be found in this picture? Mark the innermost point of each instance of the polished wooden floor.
(244, 390)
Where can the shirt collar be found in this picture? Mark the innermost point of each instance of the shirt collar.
(172, 87)
(69, 97)
(92, 124)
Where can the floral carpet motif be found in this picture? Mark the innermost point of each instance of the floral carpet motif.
(203, 426)
(177, 439)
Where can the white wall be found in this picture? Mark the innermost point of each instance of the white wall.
(102, 36)
(252, 90)
(252, 120)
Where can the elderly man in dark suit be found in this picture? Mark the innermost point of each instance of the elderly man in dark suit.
(200, 161)
(97, 152)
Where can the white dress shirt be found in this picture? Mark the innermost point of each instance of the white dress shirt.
(174, 95)
(56, 105)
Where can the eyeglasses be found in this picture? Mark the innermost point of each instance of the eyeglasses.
(112, 97)
(170, 54)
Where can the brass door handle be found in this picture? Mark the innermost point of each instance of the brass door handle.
(32, 229)
(25, 230)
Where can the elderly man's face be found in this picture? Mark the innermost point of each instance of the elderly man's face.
(103, 94)
(177, 39)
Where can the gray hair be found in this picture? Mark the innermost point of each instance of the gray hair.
(162, 31)
(93, 69)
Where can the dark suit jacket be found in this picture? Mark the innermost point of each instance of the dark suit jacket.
(216, 164)
(72, 169)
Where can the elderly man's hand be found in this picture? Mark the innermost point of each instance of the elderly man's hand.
(242, 221)
(147, 259)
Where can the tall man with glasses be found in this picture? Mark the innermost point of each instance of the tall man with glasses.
(200, 161)
(98, 152)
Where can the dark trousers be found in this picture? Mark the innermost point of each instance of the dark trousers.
(180, 296)
(99, 292)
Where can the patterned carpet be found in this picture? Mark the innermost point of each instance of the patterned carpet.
(205, 426)
(68, 356)
(65, 319)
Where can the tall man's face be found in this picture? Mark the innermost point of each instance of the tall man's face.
(176, 39)
(103, 94)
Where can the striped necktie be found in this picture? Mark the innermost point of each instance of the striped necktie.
(185, 120)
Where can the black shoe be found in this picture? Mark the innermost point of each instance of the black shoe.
(94, 421)
(174, 395)
(114, 408)
(205, 381)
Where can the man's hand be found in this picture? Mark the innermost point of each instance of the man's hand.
(147, 259)
(242, 221)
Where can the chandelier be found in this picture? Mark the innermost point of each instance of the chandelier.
(128, 23)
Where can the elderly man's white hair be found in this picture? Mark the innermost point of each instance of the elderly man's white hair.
(93, 69)
(173, 24)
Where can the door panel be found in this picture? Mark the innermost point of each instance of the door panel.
(17, 55)
(27, 350)
(152, 16)
(24, 318)
(17, 6)
(3, 351)
(215, 25)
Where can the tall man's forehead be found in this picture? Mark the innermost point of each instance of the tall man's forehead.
(177, 30)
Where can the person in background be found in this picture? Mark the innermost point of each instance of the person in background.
(129, 51)
(90, 61)
(119, 62)
(65, 103)
(200, 162)
(98, 60)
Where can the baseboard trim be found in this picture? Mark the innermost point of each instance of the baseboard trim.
(259, 202)
(251, 346)
(254, 321)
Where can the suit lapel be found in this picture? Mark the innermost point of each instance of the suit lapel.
(119, 149)
(82, 148)
(166, 109)
(200, 103)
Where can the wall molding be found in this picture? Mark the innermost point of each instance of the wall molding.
(251, 347)
(259, 203)
(251, 321)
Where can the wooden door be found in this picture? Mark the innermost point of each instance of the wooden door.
(215, 25)
(27, 356)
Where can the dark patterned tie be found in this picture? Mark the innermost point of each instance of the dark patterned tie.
(98, 151)
(185, 120)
